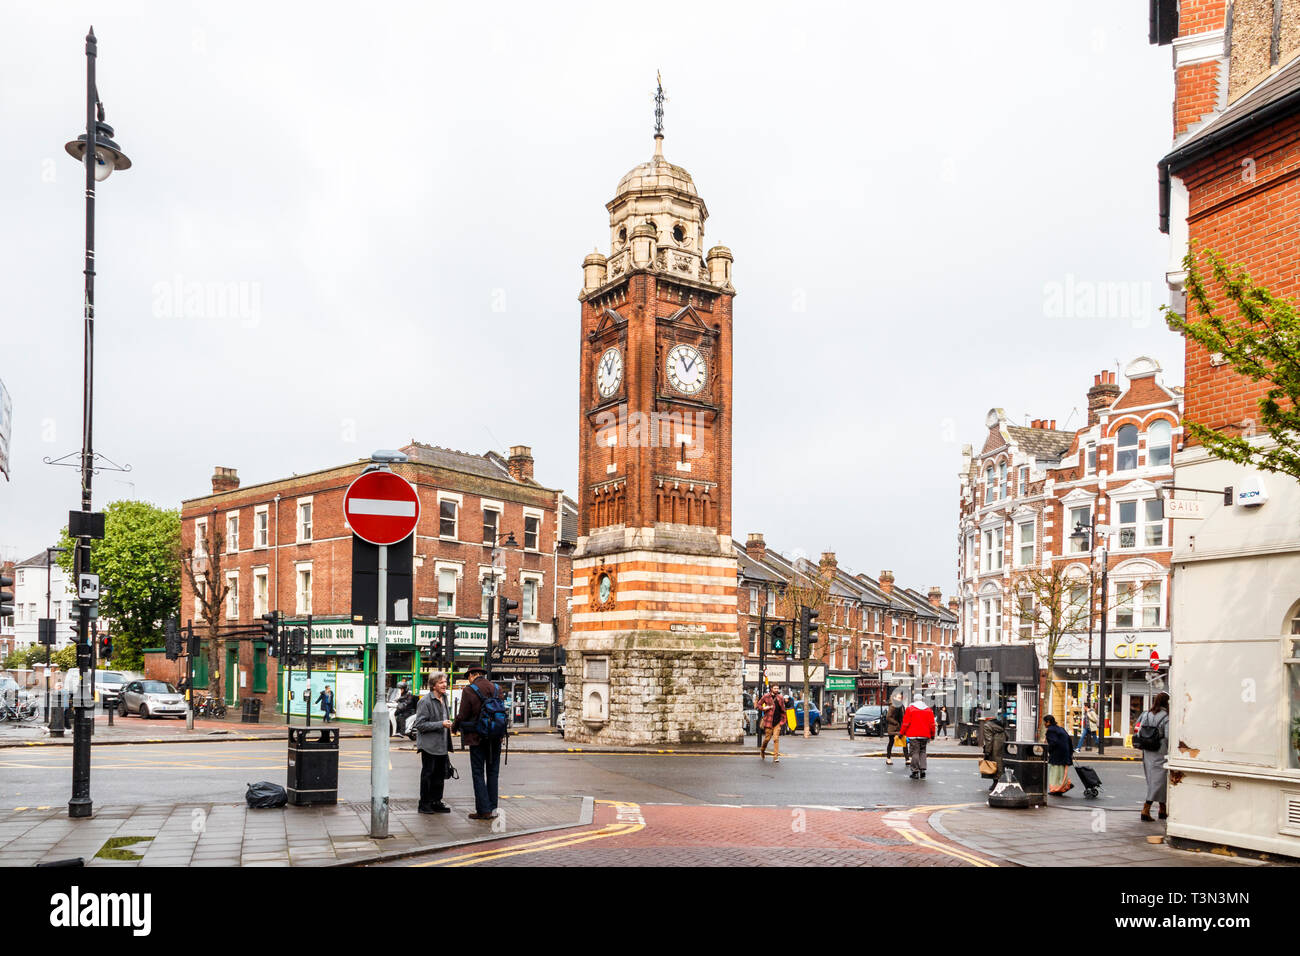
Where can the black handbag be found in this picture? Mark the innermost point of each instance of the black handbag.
(450, 773)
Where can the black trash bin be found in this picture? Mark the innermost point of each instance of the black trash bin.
(252, 711)
(313, 766)
(58, 723)
(1028, 761)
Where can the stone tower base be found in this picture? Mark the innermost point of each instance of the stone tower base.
(653, 687)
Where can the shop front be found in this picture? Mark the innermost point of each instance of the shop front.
(842, 692)
(344, 657)
(789, 676)
(1130, 684)
(1001, 680)
(532, 678)
(870, 688)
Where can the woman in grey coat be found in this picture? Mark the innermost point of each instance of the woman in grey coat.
(1153, 761)
(432, 725)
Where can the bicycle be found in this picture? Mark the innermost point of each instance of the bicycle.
(212, 707)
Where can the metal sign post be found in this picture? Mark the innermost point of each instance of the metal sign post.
(379, 717)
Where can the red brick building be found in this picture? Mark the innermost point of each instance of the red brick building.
(1022, 496)
(286, 547)
(1231, 184)
(861, 620)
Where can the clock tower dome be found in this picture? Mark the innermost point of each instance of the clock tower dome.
(654, 653)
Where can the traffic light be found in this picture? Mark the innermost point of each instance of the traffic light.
(779, 643)
(450, 630)
(6, 596)
(435, 646)
(507, 623)
(193, 642)
(105, 647)
(297, 641)
(271, 628)
(172, 638)
(807, 631)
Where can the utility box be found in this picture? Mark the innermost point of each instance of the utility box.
(313, 766)
(1028, 761)
(252, 711)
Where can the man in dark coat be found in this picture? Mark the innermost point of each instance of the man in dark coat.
(431, 726)
(484, 755)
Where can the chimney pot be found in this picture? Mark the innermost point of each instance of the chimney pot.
(936, 596)
(755, 547)
(224, 479)
(887, 582)
(520, 463)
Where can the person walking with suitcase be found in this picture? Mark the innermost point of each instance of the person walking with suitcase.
(482, 722)
(1060, 756)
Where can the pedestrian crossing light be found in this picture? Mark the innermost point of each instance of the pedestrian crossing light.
(6, 596)
(435, 646)
(507, 623)
(779, 643)
(172, 638)
(807, 631)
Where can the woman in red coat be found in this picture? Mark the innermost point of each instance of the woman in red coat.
(918, 730)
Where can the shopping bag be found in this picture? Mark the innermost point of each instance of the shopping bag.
(789, 718)
(900, 741)
(988, 768)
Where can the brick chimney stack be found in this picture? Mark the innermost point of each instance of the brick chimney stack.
(936, 596)
(828, 562)
(756, 547)
(224, 479)
(887, 582)
(1101, 396)
(520, 463)
(953, 605)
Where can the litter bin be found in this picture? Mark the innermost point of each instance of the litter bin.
(252, 711)
(313, 766)
(58, 723)
(1028, 761)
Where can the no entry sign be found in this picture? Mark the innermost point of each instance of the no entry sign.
(381, 507)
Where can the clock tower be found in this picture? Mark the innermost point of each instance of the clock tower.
(654, 654)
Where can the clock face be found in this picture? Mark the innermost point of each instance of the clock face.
(686, 371)
(609, 372)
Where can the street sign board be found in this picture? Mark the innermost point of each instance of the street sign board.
(882, 663)
(88, 587)
(1183, 508)
(381, 507)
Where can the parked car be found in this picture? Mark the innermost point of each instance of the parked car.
(150, 698)
(814, 717)
(868, 720)
(109, 684)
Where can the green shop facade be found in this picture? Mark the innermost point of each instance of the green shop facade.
(344, 657)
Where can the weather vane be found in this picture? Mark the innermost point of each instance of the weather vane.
(659, 106)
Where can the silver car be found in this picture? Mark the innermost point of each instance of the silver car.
(150, 698)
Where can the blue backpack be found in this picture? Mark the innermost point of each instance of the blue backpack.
(492, 720)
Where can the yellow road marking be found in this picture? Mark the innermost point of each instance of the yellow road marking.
(916, 837)
(537, 846)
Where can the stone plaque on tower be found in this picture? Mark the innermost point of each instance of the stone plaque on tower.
(654, 656)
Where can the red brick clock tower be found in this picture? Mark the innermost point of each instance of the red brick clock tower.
(654, 655)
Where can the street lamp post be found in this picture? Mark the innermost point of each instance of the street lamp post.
(1085, 532)
(99, 155)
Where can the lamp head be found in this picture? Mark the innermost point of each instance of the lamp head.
(108, 156)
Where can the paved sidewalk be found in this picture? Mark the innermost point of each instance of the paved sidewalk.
(1057, 835)
(208, 834)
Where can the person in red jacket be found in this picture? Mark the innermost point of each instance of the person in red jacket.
(918, 730)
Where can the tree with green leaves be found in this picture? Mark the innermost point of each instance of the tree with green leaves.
(805, 590)
(139, 583)
(1260, 340)
(1057, 602)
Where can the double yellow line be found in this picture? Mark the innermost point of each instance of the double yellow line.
(925, 841)
(537, 846)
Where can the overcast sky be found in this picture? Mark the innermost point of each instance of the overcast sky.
(400, 197)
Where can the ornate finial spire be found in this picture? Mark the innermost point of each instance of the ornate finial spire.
(659, 107)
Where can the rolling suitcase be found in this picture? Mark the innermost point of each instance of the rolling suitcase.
(1088, 776)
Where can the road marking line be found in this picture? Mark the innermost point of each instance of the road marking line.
(537, 846)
